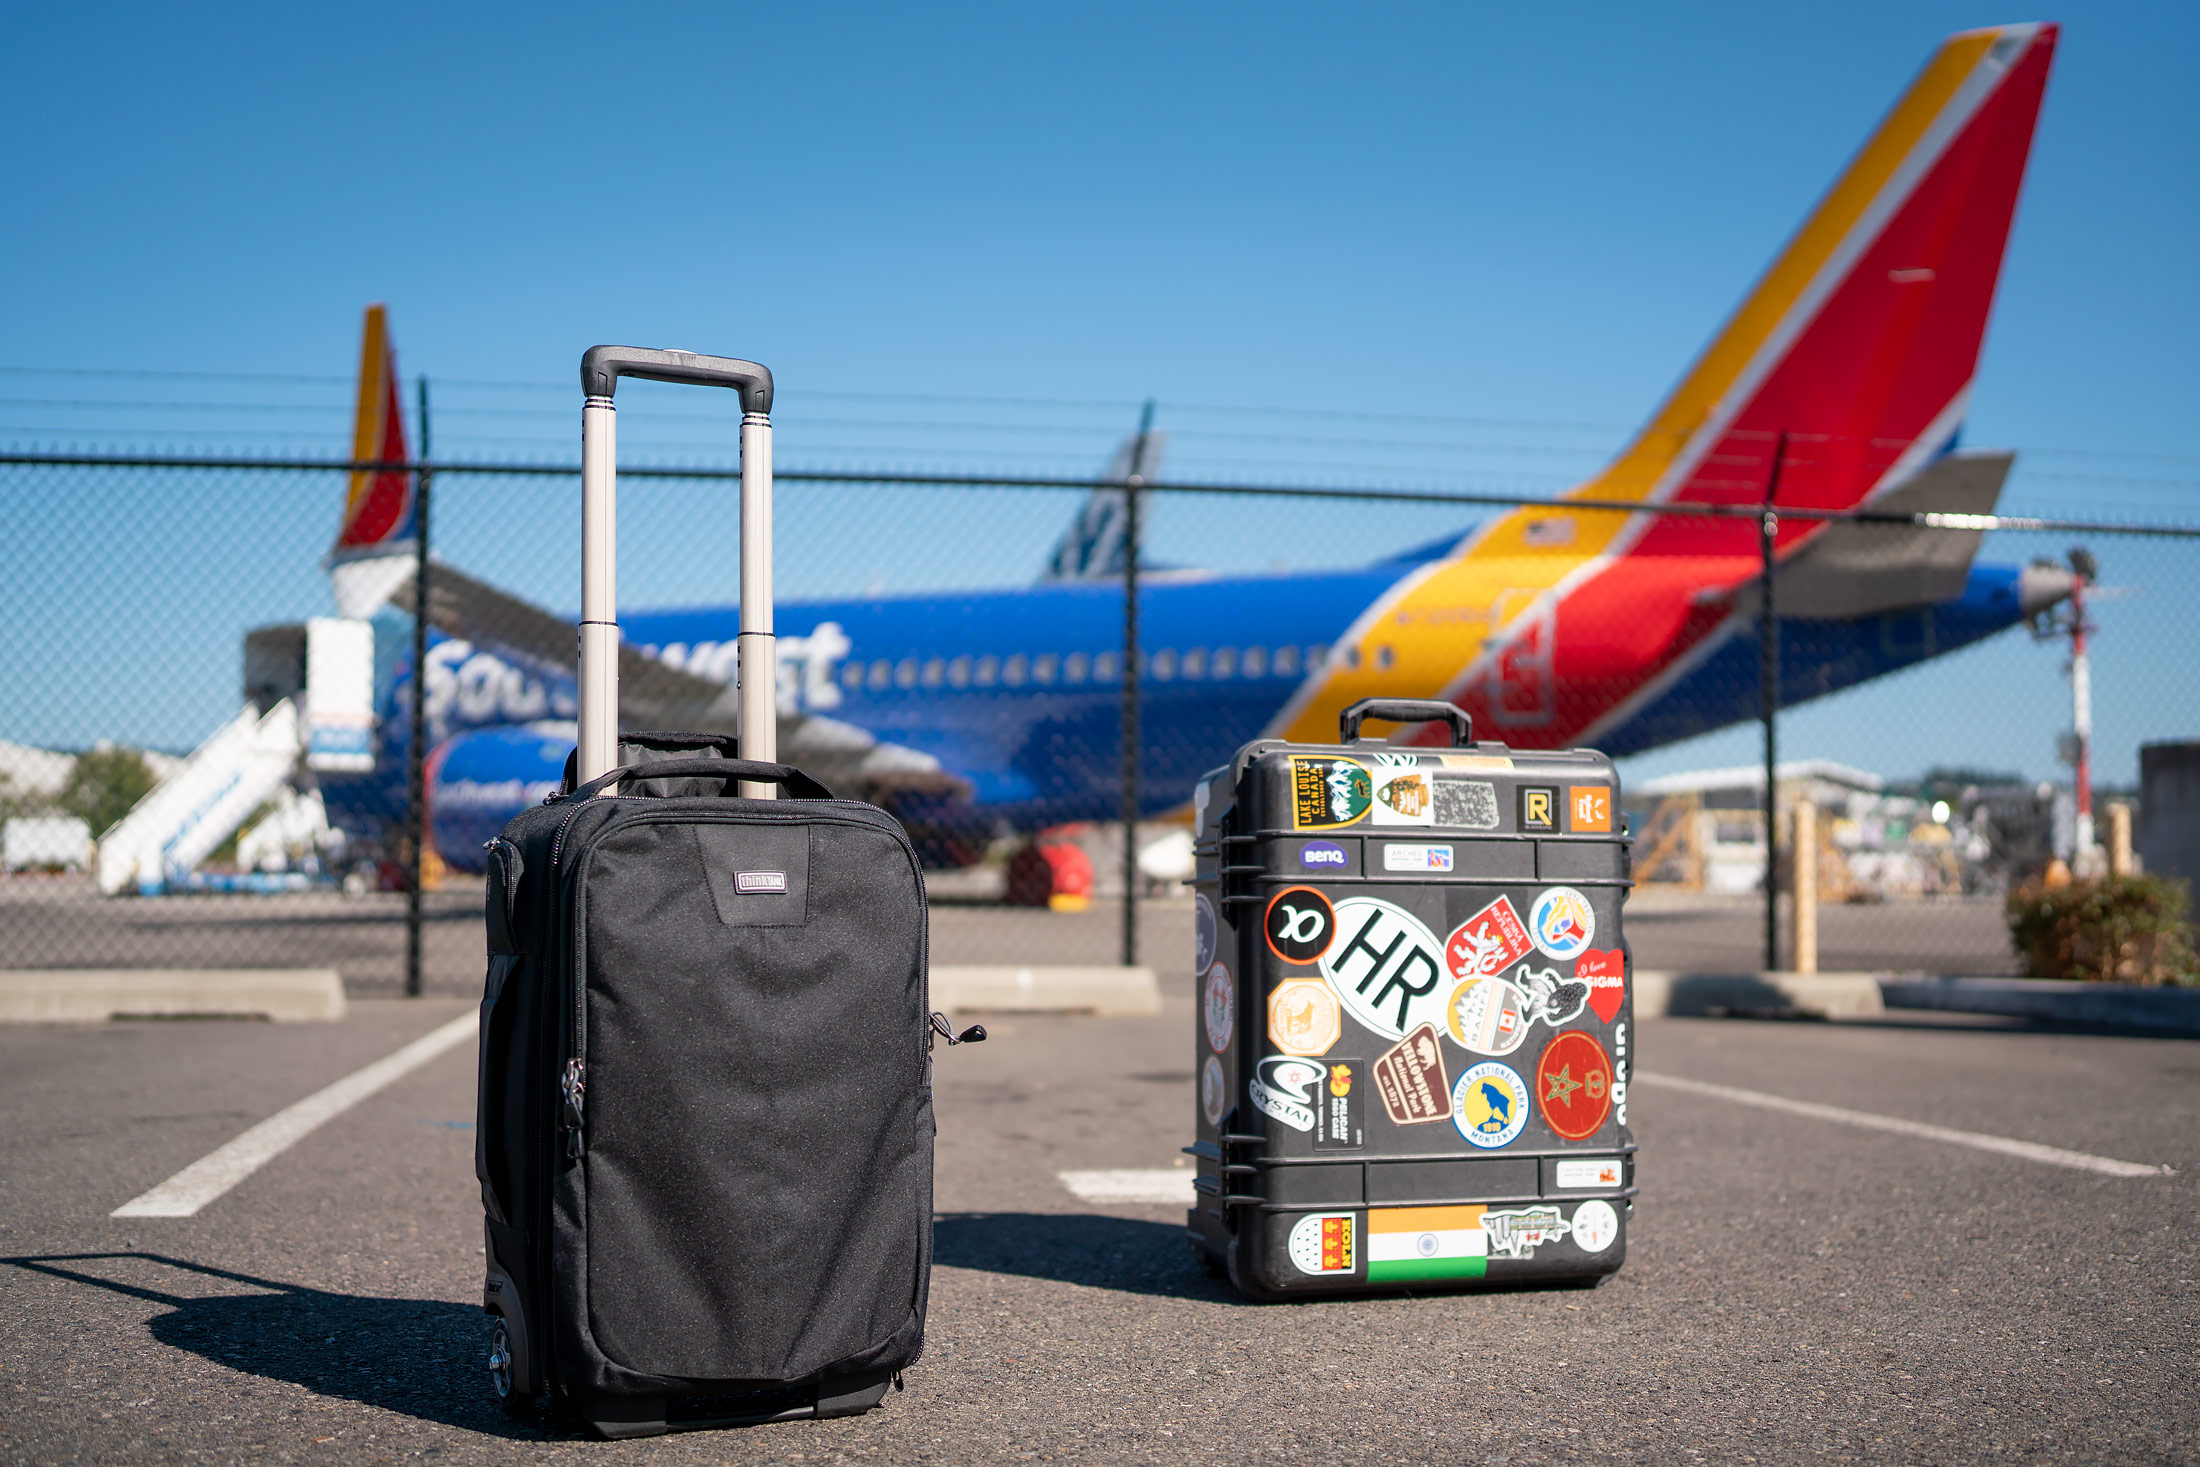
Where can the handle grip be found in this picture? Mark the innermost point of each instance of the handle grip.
(801, 786)
(1406, 710)
(603, 366)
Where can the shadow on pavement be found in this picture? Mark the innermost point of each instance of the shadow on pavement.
(1093, 1249)
(422, 1357)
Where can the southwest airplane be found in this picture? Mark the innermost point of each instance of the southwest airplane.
(1841, 381)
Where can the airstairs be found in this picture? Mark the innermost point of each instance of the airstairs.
(185, 817)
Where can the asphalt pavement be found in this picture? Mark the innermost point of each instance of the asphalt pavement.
(1797, 1288)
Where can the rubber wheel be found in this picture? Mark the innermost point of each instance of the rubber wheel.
(500, 1373)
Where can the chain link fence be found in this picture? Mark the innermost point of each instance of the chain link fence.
(158, 604)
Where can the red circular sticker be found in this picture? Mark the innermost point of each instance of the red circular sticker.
(1299, 924)
(1573, 1085)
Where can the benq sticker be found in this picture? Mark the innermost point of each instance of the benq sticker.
(1214, 1091)
(1489, 1105)
(1324, 855)
(1283, 1087)
(1299, 925)
(1562, 923)
(1595, 1225)
(1573, 1085)
(1328, 792)
(1321, 1242)
(1385, 966)
(1219, 1007)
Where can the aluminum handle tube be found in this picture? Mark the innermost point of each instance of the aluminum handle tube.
(599, 731)
(759, 659)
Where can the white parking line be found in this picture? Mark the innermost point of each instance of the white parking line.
(1978, 1140)
(1160, 1185)
(203, 1180)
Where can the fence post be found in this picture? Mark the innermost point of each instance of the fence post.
(1768, 690)
(1135, 482)
(1805, 838)
(2119, 839)
(416, 813)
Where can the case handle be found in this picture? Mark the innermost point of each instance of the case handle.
(1406, 710)
(603, 366)
(799, 785)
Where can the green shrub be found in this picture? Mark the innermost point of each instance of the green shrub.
(2120, 929)
(104, 785)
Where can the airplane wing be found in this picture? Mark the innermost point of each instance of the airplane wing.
(1861, 569)
(654, 695)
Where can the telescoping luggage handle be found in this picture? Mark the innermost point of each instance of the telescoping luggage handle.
(1406, 710)
(758, 717)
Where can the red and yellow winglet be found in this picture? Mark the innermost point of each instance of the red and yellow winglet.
(378, 508)
(1856, 349)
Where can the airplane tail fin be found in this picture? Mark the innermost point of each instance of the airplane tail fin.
(377, 538)
(1091, 549)
(1860, 341)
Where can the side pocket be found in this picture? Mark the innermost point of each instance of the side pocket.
(496, 1049)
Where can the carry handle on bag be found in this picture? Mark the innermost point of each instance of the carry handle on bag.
(1406, 710)
(749, 771)
(758, 716)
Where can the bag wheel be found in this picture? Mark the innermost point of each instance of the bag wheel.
(514, 1402)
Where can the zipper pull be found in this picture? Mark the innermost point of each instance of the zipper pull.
(972, 1035)
(573, 1085)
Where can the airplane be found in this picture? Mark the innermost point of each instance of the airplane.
(1841, 381)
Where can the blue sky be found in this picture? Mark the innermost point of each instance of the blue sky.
(1493, 234)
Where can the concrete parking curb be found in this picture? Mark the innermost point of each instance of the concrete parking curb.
(79, 995)
(1660, 994)
(2168, 1011)
(1044, 989)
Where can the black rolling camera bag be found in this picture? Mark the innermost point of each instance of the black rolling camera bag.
(1414, 1033)
(705, 1129)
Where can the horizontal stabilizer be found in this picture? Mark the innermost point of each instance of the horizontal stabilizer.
(1861, 568)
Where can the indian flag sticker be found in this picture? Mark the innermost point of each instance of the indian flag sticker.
(1321, 1243)
(1409, 1244)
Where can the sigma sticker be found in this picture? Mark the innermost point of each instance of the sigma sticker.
(1385, 966)
(1562, 923)
(1488, 942)
(1398, 856)
(1589, 808)
(1606, 974)
(1323, 855)
(1601, 1173)
(1538, 807)
(1466, 804)
(1283, 1088)
(1405, 794)
(1595, 1225)
(1489, 1105)
(1321, 1242)
(1337, 1124)
(1303, 1017)
(1487, 1015)
(1219, 1008)
(1518, 1232)
(1573, 1085)
(1214, 1091)
(1619, 1073)
(1326, 793)
(1206, 933)
(1300, 924)
(1410, 1078)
